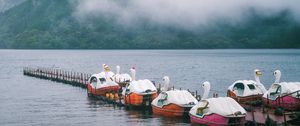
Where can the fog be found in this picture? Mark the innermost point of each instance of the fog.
(7, 4)
(185, 13)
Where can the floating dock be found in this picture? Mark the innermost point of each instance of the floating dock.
(255, 115)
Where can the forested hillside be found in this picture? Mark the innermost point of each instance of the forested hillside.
(51, 24)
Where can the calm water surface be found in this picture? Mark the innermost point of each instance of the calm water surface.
(30, 101)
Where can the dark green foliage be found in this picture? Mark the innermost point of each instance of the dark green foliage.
(50, 24)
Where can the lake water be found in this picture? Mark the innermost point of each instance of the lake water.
(30, 101)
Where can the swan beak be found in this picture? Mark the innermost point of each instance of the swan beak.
(258, 73)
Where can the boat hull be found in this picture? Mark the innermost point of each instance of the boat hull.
(103, 91)
(134, 99)
(217, 120)
(245, 99)
(171, 110)
(286, 102)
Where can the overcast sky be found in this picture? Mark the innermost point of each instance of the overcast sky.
(186, 13)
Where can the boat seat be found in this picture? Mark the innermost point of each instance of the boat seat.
(102, 80)
(239, 89)
(200, 110)
(163, 99)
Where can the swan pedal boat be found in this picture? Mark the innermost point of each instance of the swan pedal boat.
(100, 85)
(220, 111)
(285, 95)
(121, 79)
(139, 93)
(247, 91)
(173, 103)
(217, 111)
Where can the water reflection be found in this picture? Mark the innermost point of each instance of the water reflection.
(136, 116)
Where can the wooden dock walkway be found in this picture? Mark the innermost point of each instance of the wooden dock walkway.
(67, 77)
(64, 76)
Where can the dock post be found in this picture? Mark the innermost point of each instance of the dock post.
(81, 78)
(284, 118)
(63, 75)
(71, 77)
(253, 117)
(56, 74)
(51, 73)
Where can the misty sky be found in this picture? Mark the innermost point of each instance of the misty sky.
(187, 13)
(6, 4)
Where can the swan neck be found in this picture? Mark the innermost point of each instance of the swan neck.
(260, 85)
(118, 70)
(206, 92)
(103, 67)
(166, 85)
(133, 74)
(257, 79)
(277, 79)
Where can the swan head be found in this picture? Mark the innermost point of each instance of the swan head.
(277, 75)
(257, 72)
(166, 82)
(106, 68)
(206, 88)
(206, 85)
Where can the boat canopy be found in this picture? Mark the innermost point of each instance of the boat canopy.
(181, 98)
(107, 75)
(283, 88)
(122, 78)
(140, 87)
(100, 81)
(224, 106)
(245, 88)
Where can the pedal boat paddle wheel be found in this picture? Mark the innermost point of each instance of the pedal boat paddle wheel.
(217, 111)
(173, 103)
(139, 92)
(285, 95)
(247, 91)
(101, 84)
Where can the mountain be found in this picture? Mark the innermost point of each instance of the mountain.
(7, 4)
(51, 24)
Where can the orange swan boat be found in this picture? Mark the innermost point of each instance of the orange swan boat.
(139, 92)
(101, 84)
(173, 103)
